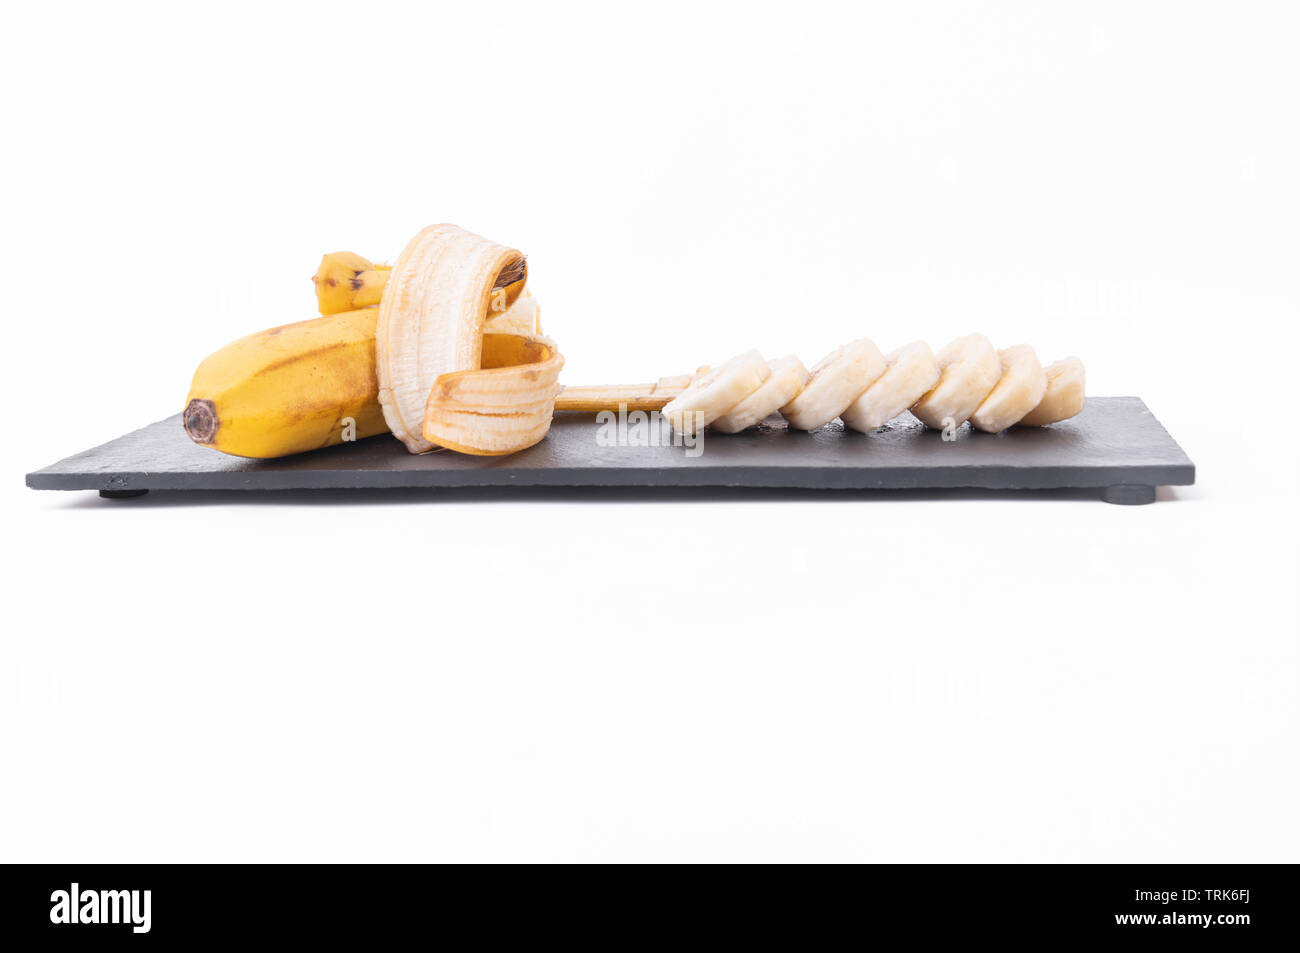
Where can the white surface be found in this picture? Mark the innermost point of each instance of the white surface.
(882, 679)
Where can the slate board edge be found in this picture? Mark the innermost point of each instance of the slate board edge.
(1009, 478)
(983, 476)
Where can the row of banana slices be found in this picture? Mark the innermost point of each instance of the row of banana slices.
(967, 380)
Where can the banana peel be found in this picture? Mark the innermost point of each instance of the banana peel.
(504, 406)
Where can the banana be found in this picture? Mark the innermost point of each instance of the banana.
(445, 348)
(1018, 391)
(431, 319)
(1064, 394)
(504, 406)
(786, 379)
(911, 373)
(289, 389)
(969, 368)
(834, 384)
(345, 282)
(715, 391)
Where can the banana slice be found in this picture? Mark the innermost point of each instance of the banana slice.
(836, 382)
(1018, 391)
(969, 370)
(1064, 397)
(431, 319)
(912, 371)
(787, 379)
(713, 392)
(505, 406)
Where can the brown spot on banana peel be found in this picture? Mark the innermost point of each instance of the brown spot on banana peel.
(200, 420)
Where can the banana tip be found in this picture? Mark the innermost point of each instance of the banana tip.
(200, 419)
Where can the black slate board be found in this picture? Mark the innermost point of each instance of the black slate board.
(1115, 445)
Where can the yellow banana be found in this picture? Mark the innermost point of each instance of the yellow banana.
(289, 389)
(293, 388)
(345, 282)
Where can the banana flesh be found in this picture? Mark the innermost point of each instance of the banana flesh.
(969, 369)
(912, 371)
(1018, 391)
(967, 380)
(787, 378)
(834, 384)
(1063, 397)
(715, 391)
(431, 320)
(523, 316)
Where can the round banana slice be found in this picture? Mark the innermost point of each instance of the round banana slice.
(834, 384)
(912, 371)
(714, 392)
(969, 370)
(1064, 396)
(1018, 391)
(787, 379)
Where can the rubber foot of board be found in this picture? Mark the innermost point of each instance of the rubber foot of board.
(121, 494)
(1129, 494)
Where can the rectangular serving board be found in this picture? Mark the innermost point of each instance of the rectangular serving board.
(1115, 446)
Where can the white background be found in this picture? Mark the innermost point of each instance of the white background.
(911, 678)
